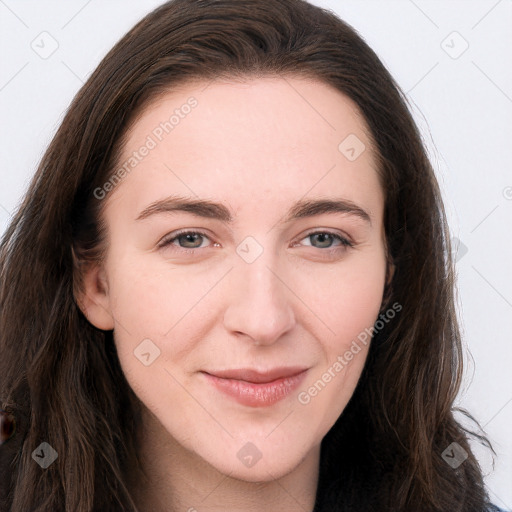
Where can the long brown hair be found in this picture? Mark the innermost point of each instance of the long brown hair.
(60, 376)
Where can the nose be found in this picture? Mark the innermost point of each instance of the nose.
(259, 305)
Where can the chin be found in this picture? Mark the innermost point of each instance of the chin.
(252, 465)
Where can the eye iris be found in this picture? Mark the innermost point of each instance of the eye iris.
(323, 238)
(190, 238)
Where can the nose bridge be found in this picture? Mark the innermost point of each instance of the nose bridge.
(259, 305)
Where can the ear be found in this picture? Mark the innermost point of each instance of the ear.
(94, 299)
(390, 271)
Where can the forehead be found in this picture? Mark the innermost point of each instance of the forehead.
(291, 135)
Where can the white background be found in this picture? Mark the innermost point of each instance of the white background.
(462, 101)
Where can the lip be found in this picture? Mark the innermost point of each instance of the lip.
(255, 388)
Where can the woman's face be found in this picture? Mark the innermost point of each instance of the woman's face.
(283, 267)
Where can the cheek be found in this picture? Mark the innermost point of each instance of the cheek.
(349, 307)
(163, 304)
(152, 309)
(148, 298)
(346, 299)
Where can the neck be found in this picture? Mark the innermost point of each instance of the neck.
(178, 480)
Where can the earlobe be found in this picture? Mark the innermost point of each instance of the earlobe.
(390, 272)
(94, 299)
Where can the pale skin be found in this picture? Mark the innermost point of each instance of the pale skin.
(256, 148)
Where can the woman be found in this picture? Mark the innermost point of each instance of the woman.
(229, 285)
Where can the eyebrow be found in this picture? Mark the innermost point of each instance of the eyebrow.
(212, 210)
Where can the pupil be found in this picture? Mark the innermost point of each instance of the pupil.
(324, 237)
(190, 238)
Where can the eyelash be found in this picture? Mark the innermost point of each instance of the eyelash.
(344, 243)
